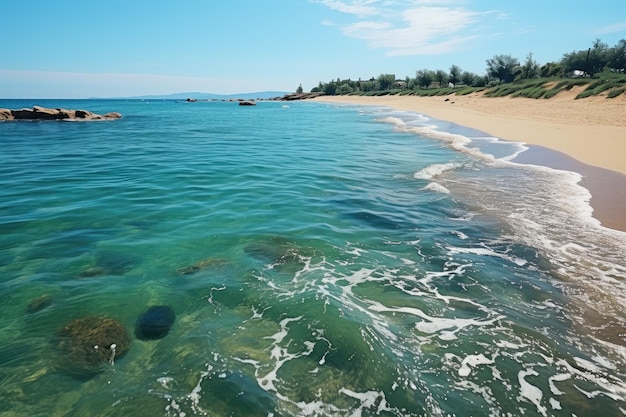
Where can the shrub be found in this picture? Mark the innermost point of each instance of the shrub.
(535, 92)
(468, 90)
(616, 92)
(551, 93)
(601, 85)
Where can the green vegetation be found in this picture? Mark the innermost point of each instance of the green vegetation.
(615, 92)
(604, 84)
(502, 67)
(600, 68)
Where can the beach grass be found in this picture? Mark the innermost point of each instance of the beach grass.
(607, 84)
(545, 88)
(601, 85)
(615, 92)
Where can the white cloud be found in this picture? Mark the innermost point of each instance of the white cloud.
(613, 28)
(356, 7)
(418, 27)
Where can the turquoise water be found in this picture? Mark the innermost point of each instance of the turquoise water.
(321, 261)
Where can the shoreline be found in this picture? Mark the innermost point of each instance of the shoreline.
(587, 136)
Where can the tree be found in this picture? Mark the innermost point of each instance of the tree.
(473, 80)
(410, 83)
(591, 61)
(502, 67)
(617, 57)
(441, 77)
(345, 89)
(299, 89)
(551, 69)
(598, 57)
(368, 85)
(575, 61)
(330, 88)
(467, 77)
(479, 81)
(530, 69)
(424, 78)
(455, 75)
(385, 81)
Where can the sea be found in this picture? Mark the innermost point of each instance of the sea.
(319, 259)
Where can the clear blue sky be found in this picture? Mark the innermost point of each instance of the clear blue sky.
(68, 49)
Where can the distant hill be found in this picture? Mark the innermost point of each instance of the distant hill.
(209, 96)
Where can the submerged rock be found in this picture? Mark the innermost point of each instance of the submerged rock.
(43, 113)
(108, 263)
(93, 271)
(154, 323)
(281, 254)
(201, 265)
(39, 303)
(274, 249)
(87, 343)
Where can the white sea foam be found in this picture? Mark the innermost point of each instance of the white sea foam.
(458, 142)
(472, 361)
(530, 392)
(425, 127)
(166, 382)
(368, 401)
(555, 218)
(452, 250)
(436, 187)
(547, 210)
(509, 149)
(435, 170)
(557, 378)
(460, 234)
(281, 355)
(435, 325)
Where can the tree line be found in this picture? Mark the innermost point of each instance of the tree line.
(499, 69)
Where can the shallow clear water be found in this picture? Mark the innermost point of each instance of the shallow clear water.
(320, 260)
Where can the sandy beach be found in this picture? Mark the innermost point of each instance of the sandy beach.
(586, 135)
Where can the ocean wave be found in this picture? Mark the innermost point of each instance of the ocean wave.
(435, 170)
(436, 187)
(426, 127)
(482, 251)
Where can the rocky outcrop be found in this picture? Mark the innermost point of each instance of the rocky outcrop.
(298, 96)
(43, 113)
(5, 114)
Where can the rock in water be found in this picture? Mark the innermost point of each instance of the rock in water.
(39, 303)
(154, 323)
(43, 113)
(89, 342)
(201, 265)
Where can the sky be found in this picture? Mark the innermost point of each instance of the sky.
(122, 48)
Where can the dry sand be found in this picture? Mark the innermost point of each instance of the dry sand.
(589, 135)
